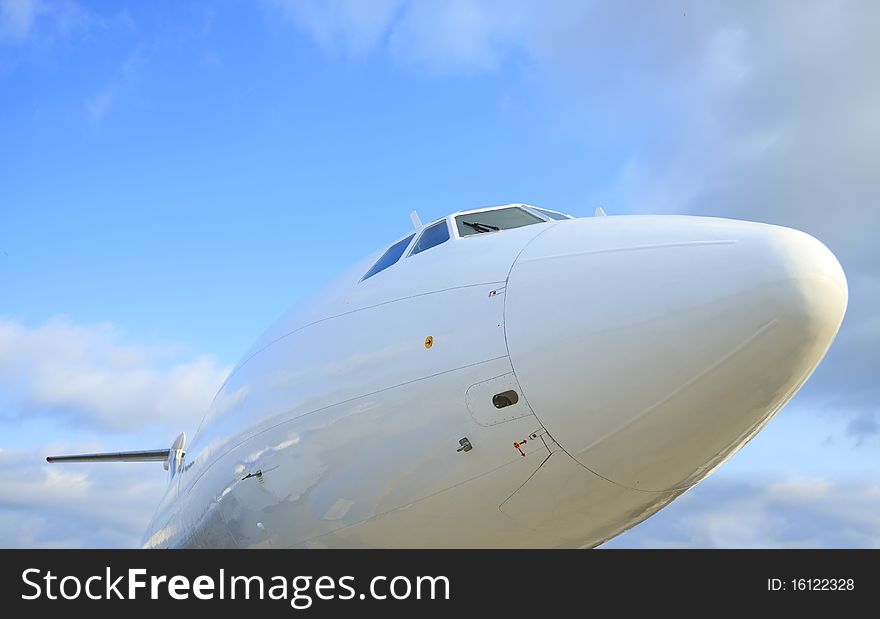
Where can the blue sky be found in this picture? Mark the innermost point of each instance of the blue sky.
(174, 175)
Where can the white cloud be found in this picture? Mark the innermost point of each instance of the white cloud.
(102, 392)
(75, 506)
(91, 376)
(354, 26)
(458, 35)
(99, 105)
(24, 21)
(442, 36)
(764, 110)
(788, 513)
(17, 18)
(797, 489)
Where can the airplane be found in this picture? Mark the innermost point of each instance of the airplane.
(504, 377)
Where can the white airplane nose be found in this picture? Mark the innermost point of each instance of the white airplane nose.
(651, 348)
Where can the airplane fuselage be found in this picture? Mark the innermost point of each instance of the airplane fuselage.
(631, 355)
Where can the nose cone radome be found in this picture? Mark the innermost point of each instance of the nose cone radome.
(651, 348)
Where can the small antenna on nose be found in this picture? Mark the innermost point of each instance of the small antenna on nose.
(600, 212)
(416, 220)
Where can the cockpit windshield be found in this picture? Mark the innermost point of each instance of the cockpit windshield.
(468, 224)
(494, 219)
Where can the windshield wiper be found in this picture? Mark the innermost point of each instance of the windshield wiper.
(480, 227)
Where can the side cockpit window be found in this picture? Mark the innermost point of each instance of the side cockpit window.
(391, 256)
(434, 235)
(494, 220)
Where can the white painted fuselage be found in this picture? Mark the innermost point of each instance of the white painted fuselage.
(644, 351)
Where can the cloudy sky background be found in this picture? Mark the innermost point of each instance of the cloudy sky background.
(173, 177)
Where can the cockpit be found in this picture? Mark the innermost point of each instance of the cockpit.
(463, 225)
